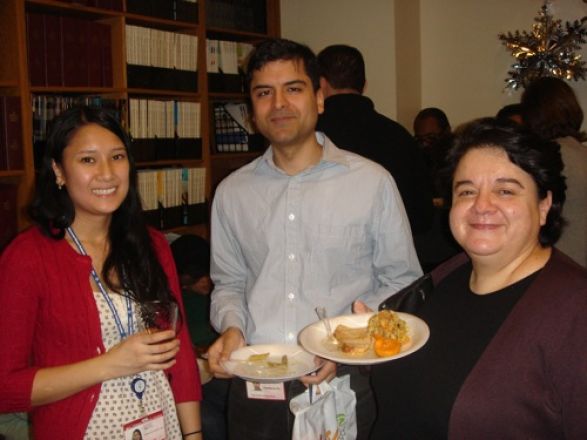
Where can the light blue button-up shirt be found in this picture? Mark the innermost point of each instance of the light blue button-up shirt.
(282, 245)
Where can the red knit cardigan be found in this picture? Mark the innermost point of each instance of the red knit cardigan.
(49, 318)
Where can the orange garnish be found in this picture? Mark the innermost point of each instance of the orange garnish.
(386, 347)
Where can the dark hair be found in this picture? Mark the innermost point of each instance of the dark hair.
(343, 67)
(551, 109)
(507, 111)
(538, 157)
(279, 49)
(436, 113)
(131, 253)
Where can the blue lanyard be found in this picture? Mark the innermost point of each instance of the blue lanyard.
(123, 333)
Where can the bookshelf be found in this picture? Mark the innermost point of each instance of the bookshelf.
(129, 55)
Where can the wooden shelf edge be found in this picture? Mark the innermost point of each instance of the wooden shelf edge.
(8, 84)
(54, 90)
(164, 93)
(180, 162)
(236, 33)
(11, 173)
(160, 22)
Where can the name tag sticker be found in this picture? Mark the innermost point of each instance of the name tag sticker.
(265, 391)
(150, 427)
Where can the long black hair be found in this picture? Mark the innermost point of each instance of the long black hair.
(131, 255)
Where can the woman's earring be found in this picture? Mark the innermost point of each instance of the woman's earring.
(59, 185)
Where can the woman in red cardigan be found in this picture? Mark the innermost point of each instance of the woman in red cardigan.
(72, 289)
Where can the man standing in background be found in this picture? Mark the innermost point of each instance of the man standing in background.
(351, 122)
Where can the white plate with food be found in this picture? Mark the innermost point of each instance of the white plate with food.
(354, 340)
(271, 362)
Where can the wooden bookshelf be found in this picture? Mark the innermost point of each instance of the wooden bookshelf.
(15, 76)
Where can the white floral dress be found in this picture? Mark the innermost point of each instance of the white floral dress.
(117, 404)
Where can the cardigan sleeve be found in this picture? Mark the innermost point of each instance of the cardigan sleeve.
(184, 376)
(19, 303)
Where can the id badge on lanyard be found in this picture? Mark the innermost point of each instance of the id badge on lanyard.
(150, 426)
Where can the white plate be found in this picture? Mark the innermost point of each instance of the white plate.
(313, 339)
(299, 363)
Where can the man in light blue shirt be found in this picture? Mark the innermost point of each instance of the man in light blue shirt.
(305, 225)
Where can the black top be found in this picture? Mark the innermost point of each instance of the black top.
(415, 394)
(351, 122)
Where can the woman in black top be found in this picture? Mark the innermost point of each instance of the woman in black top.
(494, 366)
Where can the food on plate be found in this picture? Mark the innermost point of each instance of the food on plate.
(258, 357)
(263, 360)
(353, 341)
(387, 324)
(386, 347)
(385, 333)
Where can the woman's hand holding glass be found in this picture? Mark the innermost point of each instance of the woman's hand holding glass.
(155, 345)
(143, 351)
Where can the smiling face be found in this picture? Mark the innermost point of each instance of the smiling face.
(95, 171)
(285, 106)
(495, 211)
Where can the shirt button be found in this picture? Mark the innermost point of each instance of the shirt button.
(291, 257)
(291, 296)
(291, 217)
(290, 336)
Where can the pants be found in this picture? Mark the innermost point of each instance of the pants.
(213, 408)
(252, 419)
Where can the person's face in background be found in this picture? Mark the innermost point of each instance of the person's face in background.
(201, 286)
(517, 118)
(95, 171)
(427, 131)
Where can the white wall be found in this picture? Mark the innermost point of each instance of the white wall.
(462, 64)
(366, 25)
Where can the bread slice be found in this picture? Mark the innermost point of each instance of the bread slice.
(353, 340)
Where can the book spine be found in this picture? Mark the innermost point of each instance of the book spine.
(54, 50)
(8, 210)
(36, 49)
(13, 133)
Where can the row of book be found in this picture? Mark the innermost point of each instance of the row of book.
(150, 118)
(184, 10)
(244, 15)
(68, 51)
(115, 5)
(227, 56)
(46, 107)
(161, 60)
(154, 47)
(8, 210)
(11, 157)
(233, 128)
(173, 196)
(164, 130)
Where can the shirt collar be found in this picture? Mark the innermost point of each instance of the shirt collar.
(332, 155)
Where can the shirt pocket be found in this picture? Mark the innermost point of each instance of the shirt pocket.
(337, 256)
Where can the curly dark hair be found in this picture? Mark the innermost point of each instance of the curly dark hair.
(280, 49)
(131, 254)
(551, 109)
(538, 157)
(343, 67)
